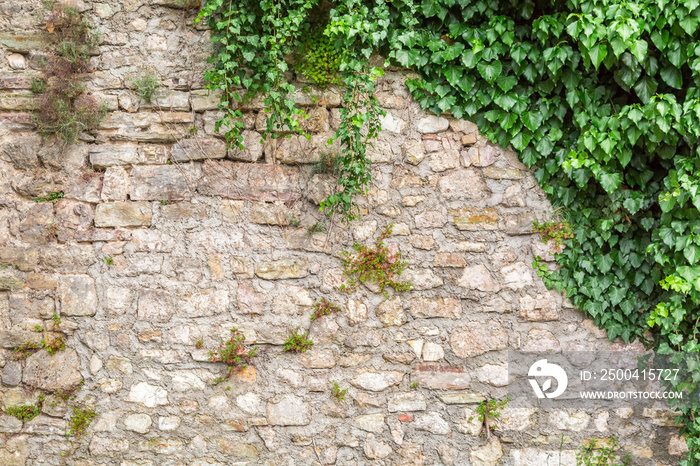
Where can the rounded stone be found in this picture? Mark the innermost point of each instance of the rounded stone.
(57, 372)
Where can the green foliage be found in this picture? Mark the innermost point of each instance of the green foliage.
(50, 197)
(414, 385)
(557, 232)
(328, 164)
(297, 342)
(25, 349)
(80, 420)
(199, 344)
(323, 308)
(145, 85)
(234, 353)
(26, 412)
(252, 40)
(318, 60)
(377, 265)
(338, 393)
(489, 411)
(594, 454)
(38, 85)
(318, 227)
(53, 344)
(109, 260)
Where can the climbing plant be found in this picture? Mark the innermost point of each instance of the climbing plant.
(600, 97)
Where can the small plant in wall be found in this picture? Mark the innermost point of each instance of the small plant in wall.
(377, 265)
(556, 232)
(145, 85)
(26, 412)
(323, 308)
(488, 412)
(298, 342)
(338, 393)
(234, 353)
(80, 420)
(593, 453)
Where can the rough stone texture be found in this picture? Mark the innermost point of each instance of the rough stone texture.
(57, 372)
(166, 237)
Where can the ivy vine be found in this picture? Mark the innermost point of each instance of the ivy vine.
(600, 97)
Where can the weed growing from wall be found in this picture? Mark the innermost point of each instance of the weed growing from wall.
(145, 85)
(234, 353)
(374, 265)
(338, 393)
(323, 308)
(298, 342)
(65, 109)
(80, 420)
(26, 412)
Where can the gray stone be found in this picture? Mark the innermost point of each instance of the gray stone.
(463, 184)
(22, 152)
(283, 269)
(12, 373)
(376, 450)
(444, 160)
(123, 214)
(371, 423)
(103, 156)
(433, 423)
(376, 381)
(488, 454)
(77, 295)
(57, 372)
(290, 410)
(9, 425)
(249, 181)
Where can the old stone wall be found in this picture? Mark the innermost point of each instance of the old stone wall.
(165, 237)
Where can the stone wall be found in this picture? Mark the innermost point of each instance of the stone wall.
(162, 240)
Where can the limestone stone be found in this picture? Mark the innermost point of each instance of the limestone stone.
(290, 410)
(431, 219)
(283, 269)
(103, 156)
(478, 277)
(488, 454)
(392, 123)
(461, 398)
(516, 419)
(356, 312)
(463, 126)
(503, 173)
(9, 425)
(249, 181)
(541, 340)
(198, 148)
(422, 279)
(677, 446)
(444, 160)
(539, 309)
(422, 241)
(168, 423)
(370, 423)
(566, 420)
(448, 308)
(103, 446)
(440, 377)
(186, 381)
(475, 219)
(516, 276)
(432, 351)
(433, 423)
(265, 213)
(57, 372)
(432, 124)
(21, 152)
(123, 214)
(375, 449)
(478, 338)
(77, 295)
(140, 423)
(464, 183)
(253, 147)
(163, 182)
(147, 395)
(155, 305)
(376, 381)
(414, 151)
(408, 401)
(537, 456)
(318, 359)
(493, 374)
(390, 312)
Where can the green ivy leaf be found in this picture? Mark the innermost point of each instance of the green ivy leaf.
(489, 71)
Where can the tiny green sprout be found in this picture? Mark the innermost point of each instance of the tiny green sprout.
(164, 201)
(338, 393)
(414, 385)
(199, 344)
(297, 342)
(38, 328)
(109, 260)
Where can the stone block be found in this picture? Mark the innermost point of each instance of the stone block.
(155, 305)
(478, 338)
(198, 148)
(464, 183)
(475, 219)
(390, 312)
(444, 160)
(440, 377)
(123, 214)
(147, 395)
(77, 295)
(283, 269)
(245, 181)
(158, 182)
(407, 401)
(57, 372)
(290, 410)
(432, 124)
(376, 381)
